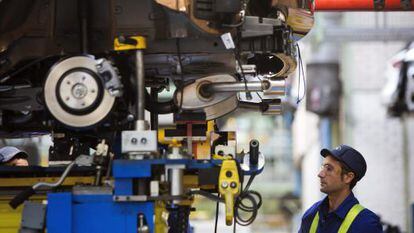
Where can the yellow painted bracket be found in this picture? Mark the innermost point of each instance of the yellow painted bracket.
(129, 43)
(175, 143)
(160, 220)
(229, 187)
(221, 157)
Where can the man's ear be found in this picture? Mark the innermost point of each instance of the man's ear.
(348, 177)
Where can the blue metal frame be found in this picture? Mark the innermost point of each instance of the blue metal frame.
(69, 213)
(124, 171)
(85, 213)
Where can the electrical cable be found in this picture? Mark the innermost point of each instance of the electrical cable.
(217, 214)
(234, 224)
(249, 182)
(242, 17)
(4, 78)
(249, 201)
(207, 195)
(303, 74)
(235, 25)
(257, 93)
(299, 74)
(248, 95)
(301, 71)
(213, 197)
(241, 205)
(181, 72)
(236, 52)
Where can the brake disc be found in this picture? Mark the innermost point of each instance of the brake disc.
(75, 94)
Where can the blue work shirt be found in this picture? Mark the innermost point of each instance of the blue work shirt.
(365, 222)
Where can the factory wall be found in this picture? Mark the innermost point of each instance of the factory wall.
(366, 126)
(363, 123)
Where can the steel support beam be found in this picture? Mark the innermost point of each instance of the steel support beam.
(367, 34)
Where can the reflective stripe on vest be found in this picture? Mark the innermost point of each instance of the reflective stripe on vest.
(349, 219)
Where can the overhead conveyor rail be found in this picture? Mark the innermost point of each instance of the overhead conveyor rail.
(364, 5)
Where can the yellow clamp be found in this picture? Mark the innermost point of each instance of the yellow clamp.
(229, 187)
(175, 143)
(122, 43)
(221, 157)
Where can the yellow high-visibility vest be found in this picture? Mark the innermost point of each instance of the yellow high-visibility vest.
(349, 219)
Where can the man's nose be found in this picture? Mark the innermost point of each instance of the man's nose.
(321, 173)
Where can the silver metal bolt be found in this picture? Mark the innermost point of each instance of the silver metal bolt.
(79, 91)
(134, 141)
(143, 140)
(224, 184)
(130, 117)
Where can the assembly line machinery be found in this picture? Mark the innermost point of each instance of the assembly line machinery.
(129, 91)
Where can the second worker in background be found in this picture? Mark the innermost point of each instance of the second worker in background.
(340, 211)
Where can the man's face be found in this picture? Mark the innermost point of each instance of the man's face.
(17, 162)
(331, 179)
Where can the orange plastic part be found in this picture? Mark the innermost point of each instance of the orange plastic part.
(359, 5)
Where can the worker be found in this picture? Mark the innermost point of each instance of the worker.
(340, 211)
(12, 156)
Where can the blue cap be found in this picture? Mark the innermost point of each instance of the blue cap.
(350, 157)
(7, 153)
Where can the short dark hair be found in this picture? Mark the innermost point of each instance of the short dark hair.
(346, 170)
